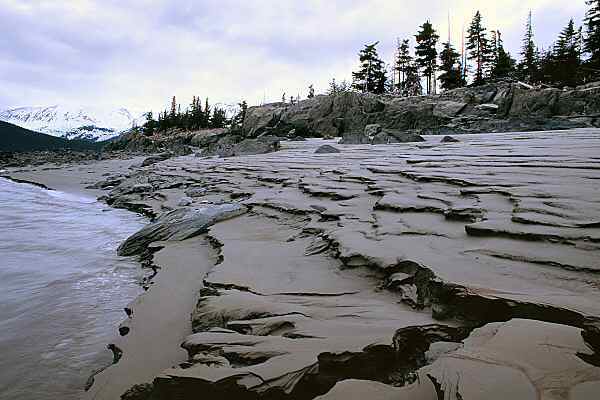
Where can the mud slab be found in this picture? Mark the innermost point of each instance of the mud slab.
(384, 269)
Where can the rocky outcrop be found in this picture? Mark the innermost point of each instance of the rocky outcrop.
(235, 145)
(375, 134)
(326, 149)
(498, 107)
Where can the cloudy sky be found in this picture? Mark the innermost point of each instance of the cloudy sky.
(139, 53)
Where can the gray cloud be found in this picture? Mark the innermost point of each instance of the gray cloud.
(138, 53)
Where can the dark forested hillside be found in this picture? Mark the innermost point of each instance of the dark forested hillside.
(15, 138)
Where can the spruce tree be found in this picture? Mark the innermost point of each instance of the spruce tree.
(173, 107)
(426, 54)
(412, 84)
(451, 77)
(311, 91)
(504, 66)
(566, 56)
(591, 40)
(478, 48)
(218, 119)
(371, 76)
(528, 67)
(403, 61)
(150, 124)
(205, 123)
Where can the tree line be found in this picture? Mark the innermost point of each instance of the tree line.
(194, 117)
(573, 59)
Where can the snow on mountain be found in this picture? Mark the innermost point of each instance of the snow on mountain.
(74, 123)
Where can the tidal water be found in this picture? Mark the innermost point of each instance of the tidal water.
(62, 289)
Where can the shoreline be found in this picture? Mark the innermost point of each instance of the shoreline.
(134, 364)
(304, 210)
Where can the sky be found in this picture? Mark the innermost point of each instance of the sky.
(139, 53)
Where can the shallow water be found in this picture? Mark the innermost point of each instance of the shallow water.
(62, 289)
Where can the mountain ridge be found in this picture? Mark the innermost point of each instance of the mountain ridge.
(14, 138)
(90, 123)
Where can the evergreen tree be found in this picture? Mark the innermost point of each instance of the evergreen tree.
(451, 77)
(311, 91)
(528, 67)
(546, 66)
(150, 124)
(243, 109)
(426, 54)
(412, 84)
(205, 115)
(218, 119)
(504, 66)
(478, 48)
(173, 107)
(591, 40)
(403, 61)
(333, 87)
(371, 76)
(566, 56)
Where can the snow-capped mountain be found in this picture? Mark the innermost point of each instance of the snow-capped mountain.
(74, 123)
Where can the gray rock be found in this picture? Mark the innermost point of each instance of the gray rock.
(326, 149)
(179, 224)
(383, 138)
(448, 108)
(260, 145)
(355, 138)
(449, 139)
(495, 107)
(403, 137)
(233, 145)
(156, 158)
(207, 137)
(372, 129)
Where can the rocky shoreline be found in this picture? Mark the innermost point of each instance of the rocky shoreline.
(360, 118)
(434, 269)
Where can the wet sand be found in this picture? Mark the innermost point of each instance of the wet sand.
(391, 269)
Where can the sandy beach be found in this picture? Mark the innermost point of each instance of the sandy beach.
(396, 271)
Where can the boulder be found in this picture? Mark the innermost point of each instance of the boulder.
(179, 224)
(206, 137)
(534, 103)
(448, 108)
(326, 149)
(223, 147)
(372, 129)
(355, 138)
(383, 138)
(156, 158)
(257, 119)
(403, 137)
(449, 139)
(260, 145)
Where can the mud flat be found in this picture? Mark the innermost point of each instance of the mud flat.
(454, 270)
